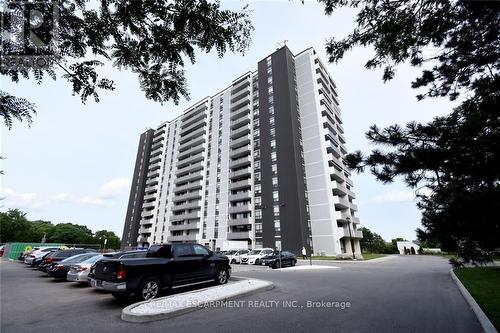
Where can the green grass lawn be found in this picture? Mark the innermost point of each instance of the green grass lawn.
(483, 283)
(366, 256)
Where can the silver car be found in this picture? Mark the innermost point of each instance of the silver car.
(80, 272)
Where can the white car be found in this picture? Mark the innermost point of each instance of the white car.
(37, 254)
(253, 257)
(235, 256)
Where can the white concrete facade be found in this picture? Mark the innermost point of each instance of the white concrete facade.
(201, 187)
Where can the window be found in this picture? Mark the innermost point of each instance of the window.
(258, 213)
(257, 188)
(276, 196)
(257, 164)
(275, 180)
(276, 210)
(182, 250)
(200, 250)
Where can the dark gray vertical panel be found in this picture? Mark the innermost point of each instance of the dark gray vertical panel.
(293, 213)
(132, 220)
(265, 158)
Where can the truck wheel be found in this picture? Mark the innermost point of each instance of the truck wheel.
(222, 276)
(149, 289)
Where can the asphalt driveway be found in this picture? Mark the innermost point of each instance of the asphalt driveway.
(404, 294)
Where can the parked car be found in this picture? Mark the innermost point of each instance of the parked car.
(165, 266)
(234, 256)
(36, 254)
(273, 260)
(79, 272)
(54, 257)
(116, 255)
(60, 269)
(254, 256)
(2, 249)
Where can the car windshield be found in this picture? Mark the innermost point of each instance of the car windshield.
(231, 252)
(79, 257)
(255, 252)
(93, 259)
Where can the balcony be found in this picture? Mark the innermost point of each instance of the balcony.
(239, 132)
(242, 141)
(190, 136)
(238, 235)
(193, 159)
(240, 162)
(152, 181)
(237, 95)
(153, 173)
(189, 168)
(332, 147)
(355, 220)
(154, 166)
(201, 108)
(240, 184)
(357, 234)
(182, 238)
(191, 176)
(189, 195)
(184, 226)
(344, 216)
(150, 196)
(194, 142)
(239, 123)
(240, 209)
(245, 150)
(354, 207)
(339, 188)
(240, 196)
(188, 205)
(147, 213)
(188, 186)
(351, 194)
(157, 145)
(145, 230)
(340, 202)
(191, 151)
(239, 173)
(239, 104)
(151, 189)
(193, 127)
(185, 216)
(336, 174)
(240, 221)
(148, 204)
(241, 112)
(241, 84)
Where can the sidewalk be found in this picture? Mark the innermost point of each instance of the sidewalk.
(376, 260)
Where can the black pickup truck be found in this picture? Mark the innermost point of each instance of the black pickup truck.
(165, 266)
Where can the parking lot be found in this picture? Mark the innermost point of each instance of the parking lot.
(391, 296)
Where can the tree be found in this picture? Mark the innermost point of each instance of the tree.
(69, 233)
(453, 162)
(150, 38)
(14, 226)
(113, 239)
(372, 242)
(40, 228)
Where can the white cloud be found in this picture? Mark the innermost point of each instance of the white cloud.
(394, 196)
(114, 188)
(62, 197)
(94, 201)
(107, 192)
(14, 199)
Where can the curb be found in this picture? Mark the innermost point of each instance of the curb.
(127, 314)
(481, 316)
(374, 261)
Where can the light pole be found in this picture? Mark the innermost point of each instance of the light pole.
(350, 236)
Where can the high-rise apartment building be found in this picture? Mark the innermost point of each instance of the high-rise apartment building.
(260, 162)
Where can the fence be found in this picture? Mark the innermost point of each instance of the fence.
(14, 250)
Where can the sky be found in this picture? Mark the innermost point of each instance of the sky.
(75, 162)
